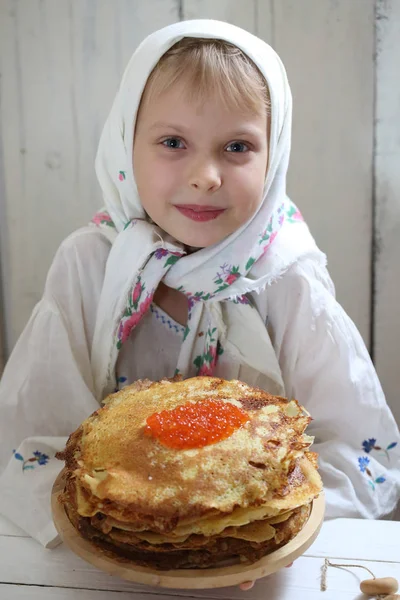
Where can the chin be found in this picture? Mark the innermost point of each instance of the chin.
(198, 242)
(193, 237)
(204, 236)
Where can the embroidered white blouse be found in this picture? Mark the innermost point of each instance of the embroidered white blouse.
(47, 387)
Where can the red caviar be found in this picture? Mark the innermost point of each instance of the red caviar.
(195, 425)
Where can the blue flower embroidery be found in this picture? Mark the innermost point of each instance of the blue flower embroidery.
(370, 444)
(38, 457)
(363, 462)
(42, 459)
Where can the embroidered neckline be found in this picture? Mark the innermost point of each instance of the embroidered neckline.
(166, 319)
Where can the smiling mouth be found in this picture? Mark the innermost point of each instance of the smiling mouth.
(199, 213)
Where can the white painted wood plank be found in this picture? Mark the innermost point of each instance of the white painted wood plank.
(2, 351)
(327, 48)
(359, 532)
(28, 592)
(387, 178)
(26, 562)
(61, 63)
(8, 528)
(236, 12)
(365, 539)
(264, 21)
(300, 582)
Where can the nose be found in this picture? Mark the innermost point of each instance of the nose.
(205, 177)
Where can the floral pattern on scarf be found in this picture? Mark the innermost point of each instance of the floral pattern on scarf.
(141, 294)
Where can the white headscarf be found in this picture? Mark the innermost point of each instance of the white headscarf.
(215, 279)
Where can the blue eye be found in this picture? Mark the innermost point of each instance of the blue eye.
(174, 143)
(237, 147)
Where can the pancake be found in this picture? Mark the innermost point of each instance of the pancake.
(302, 485)
(215, 552)
(236, 498)
(138, 476)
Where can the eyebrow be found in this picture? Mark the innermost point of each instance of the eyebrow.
(165, 125)
(181, 128)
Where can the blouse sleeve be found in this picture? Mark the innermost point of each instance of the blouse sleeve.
(47, 390)
(327, 368)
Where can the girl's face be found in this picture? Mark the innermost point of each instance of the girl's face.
(199, 170)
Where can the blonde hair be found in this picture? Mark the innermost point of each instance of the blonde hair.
(210, 66)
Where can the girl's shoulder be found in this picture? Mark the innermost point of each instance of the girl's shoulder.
(306, 287)
(80, 260)
(310, 273)
(87, 238)
(85, 246)
(305, 275)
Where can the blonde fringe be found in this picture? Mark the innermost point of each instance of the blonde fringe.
(210, 67)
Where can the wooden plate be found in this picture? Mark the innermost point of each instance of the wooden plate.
(186, 578)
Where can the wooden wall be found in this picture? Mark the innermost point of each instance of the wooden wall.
(61, 61)
(386, 301)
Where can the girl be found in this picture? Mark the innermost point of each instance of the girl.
(199, 264)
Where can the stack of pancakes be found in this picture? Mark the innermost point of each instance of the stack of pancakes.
(233, 500)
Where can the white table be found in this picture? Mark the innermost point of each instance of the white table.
(28, 571)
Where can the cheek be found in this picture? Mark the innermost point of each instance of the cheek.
(152, 175)
(248, 186)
